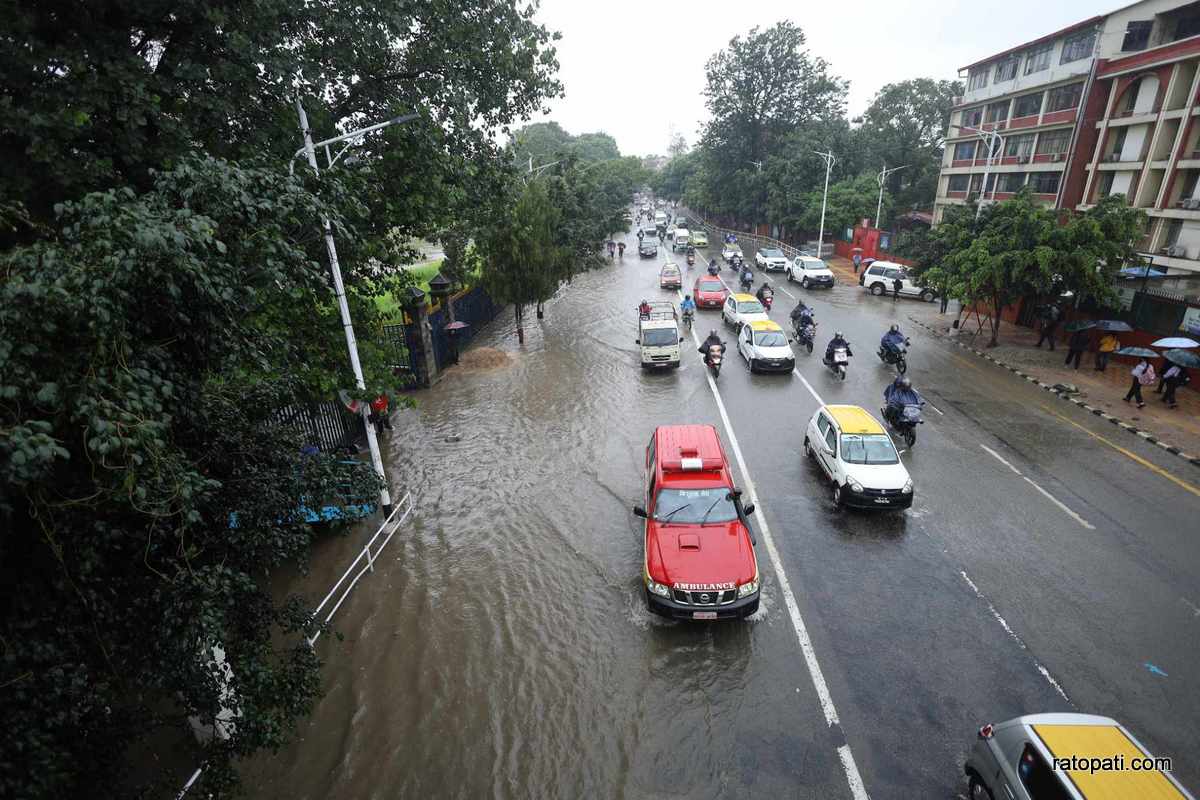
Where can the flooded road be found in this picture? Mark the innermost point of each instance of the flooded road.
(502, 648)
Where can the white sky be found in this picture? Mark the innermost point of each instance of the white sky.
(635, 69)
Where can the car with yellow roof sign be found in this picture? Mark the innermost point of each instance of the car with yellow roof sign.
(1068, 756)
(741, 308)
(766, 347)
(858, 457)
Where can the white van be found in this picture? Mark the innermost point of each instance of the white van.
(681, 240)
(658, 336)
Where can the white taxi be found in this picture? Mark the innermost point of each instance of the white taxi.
(730, 250)
(857, 455)
(740, 309)
(766, 347)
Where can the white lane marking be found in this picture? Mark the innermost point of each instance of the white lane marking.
(857, 790)
(785, 291)
(935, 408)
(1000, 458)
(1004, 624)
(1061, 505)
(807, 385)
(1195, 609)
(1045, 494)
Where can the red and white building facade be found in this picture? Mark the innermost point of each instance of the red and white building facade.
(1110, 105)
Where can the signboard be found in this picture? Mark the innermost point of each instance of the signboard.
(1191, 321)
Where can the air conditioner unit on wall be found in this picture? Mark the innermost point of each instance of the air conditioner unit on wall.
(1177, 251)
(1192, 203)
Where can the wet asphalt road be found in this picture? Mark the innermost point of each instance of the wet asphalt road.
(502, 649)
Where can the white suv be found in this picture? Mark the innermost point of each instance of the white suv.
(770, 259)
(809, 271)
(857, 455)
(879, 276)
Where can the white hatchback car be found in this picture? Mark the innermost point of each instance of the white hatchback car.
(809, 271)
(730, 250)
(740, 309)
(766, 347)
(855, 452)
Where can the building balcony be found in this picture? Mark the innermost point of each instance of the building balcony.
(1126, 118)
(1051, 158)
(1059, 116)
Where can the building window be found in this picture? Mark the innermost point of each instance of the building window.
(978, 79)
(1106, 182)
(964, 151)
(1038, 58)
(1052, 142)
(1174, 228)
(1078, 46)
(1063, 97)
(1006, 70)
(958, 183)
(1129, 99)
(1187, 26)
(1010, 181)
(997, 112)
(976, 182)
(1019, 145)
(972, 117)
(1137, 35)
(1188, 187)
(1044, 182)
(1029, 105)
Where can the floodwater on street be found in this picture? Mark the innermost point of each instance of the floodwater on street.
(503, 649)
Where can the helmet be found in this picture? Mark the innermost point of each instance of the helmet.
(837, 334)
(713, 334)
(687, 297)
(905, 382)
(895, 328)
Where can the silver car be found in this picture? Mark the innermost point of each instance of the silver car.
(1065, 757)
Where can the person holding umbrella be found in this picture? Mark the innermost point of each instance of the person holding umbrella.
(1176, 343)
(1177, 375)
(1108, 345)
(1143, 373)
(1078, 342)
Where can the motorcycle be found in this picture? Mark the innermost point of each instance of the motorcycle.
(736, 263)
(805, 334)
(691, 259)
(688, 317)
(904, 422)
(714, 359)
(714, 270)
(767, 300)
(746, 282)
(839, 362)
(895, 355)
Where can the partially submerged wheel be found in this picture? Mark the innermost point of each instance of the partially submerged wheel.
(877, 289)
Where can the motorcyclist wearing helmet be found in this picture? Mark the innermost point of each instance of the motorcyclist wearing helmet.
(764, 292)
(688, 305)
(837, 341)
(747, 277)
(712, 340)
(892, 340)
(898, 394)
(802, 315)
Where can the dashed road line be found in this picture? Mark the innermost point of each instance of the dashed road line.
(1035, 485)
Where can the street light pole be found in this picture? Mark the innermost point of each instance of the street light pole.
(339, 288)
(995, 141)
(829, 158)
(881, 177)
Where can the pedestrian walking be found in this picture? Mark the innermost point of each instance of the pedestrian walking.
(896, 284)
(857, 262)
(1108, 345)
(379, 414)
(1143, 375)
(1162, 374)
(1175, 377)
(1075, 347)
(1050, 318)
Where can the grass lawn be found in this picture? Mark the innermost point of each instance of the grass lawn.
(422, 273)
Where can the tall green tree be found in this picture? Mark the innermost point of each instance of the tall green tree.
(906, 124)
(849, 201)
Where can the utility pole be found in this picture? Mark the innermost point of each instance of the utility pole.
(995, 142)
(829, 158)
(882, 177)
(339, 288)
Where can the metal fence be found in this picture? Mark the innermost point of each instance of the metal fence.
(757, 240)
(405, 348)
(328, 425)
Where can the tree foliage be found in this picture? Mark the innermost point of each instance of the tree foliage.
(849, 201)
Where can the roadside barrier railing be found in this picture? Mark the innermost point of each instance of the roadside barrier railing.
(745, 236)
(369, 554)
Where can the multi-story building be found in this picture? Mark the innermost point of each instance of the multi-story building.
(1105, 106)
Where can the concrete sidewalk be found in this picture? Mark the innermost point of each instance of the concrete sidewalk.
(1101, 392)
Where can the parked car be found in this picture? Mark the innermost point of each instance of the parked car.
(669, 276)
(858, 457)
(740, 309)
(766, 347)
(878, 278)
(1069, 756)
(809, 271)
(698, 560)
(770, 259)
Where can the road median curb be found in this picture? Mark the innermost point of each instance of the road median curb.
(1062, 395)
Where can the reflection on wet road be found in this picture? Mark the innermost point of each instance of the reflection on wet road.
(503, 649)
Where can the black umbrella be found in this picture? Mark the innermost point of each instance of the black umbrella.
(1113, 325)
(1184, 358)
(1080, 325)
(1141, 352)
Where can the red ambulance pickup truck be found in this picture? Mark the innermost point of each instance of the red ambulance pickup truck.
(699, 557)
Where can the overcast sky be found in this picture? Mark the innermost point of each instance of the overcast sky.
(635, 69)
